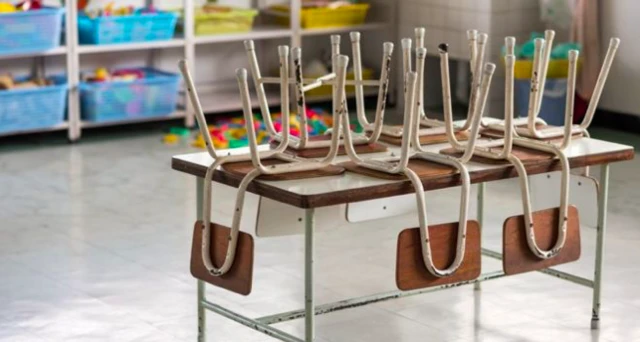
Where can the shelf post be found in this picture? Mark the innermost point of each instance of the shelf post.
(189, 55)
(73, 70)
(295, 9)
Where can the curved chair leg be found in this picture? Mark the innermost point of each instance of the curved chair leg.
(424, 226)
(526, 206)
(235, 227)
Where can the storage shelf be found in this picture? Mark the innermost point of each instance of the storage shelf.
(258, 33)
(175, 115)
(228, 99)
(87, 49)
(59, 127)
(219, 96)
(60, 50)
(330, 30)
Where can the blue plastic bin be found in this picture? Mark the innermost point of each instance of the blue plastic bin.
(125, 29)
(27, 109)
(553, 100)
(30, 31)
(154, 95)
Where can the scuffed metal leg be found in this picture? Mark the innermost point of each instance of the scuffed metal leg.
(309, 302)
(602, 226)
(480, 218)
(202, 318)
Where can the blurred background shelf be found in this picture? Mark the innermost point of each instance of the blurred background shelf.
(226, 98)
(346, 29)
(257, 33)
(163, 44)
(178, 114)
(59, 127)
(212, 58)
(60, 50)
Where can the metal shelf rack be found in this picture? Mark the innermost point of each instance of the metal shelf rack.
(215, 100)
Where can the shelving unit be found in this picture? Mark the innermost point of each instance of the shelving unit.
(163, 44)
(216, 98)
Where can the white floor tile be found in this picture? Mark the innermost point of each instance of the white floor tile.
(95, 239)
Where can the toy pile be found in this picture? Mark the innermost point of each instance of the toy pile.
(28, 5)
(110, 10)
(120, 75)
(231, 132)
(8, 82)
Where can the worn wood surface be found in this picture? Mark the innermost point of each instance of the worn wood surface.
(411, 273)
(518, 258)
(240, 169)
(316, 200)
(524, 154)
(323, 151)
(497, 134)
(239, 279)
(424, 139)
(423, 168)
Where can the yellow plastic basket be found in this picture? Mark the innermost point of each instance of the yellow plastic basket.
(347, 15)
(367, 74)
(558, 68)
(236, 20)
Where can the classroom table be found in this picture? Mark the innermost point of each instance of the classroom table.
(324, 201)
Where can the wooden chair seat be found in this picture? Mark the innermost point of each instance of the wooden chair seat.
(424, 169)
(497, 134)
(241, 169)
(430, 139)
(524, 154)
(411, 273)
(518, 258)
(323, 151)
(239, 279)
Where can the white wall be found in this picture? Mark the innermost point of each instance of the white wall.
(448, 20)
(619, 18)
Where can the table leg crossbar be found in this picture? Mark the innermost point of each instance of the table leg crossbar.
(263, 324)
(549, 271)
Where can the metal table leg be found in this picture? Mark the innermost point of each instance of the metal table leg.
(480, 218)
(202, 318)
(309, 302)
(602, 226)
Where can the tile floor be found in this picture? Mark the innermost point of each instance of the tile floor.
(95, 238)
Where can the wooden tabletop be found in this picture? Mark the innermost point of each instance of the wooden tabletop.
(350, 187)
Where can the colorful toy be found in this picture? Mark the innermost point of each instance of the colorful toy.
(199, 142)
(6, 7)
(101, 75)
(180, 131)
(28, 5)
(176, 134)
(7, 82)
(171, 139)
(231, 132)
(110, 10)
(122, 75)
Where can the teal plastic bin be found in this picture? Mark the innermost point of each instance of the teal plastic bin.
(30, 31)
(154, 95)
(126, 29)
(35, 108)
